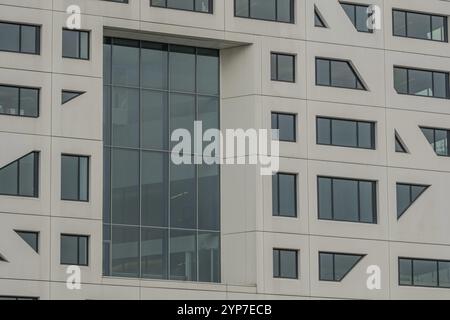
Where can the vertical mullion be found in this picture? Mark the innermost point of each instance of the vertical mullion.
(169, 218)
(20, 38)
(359, 201)
(140, 160)
(332, 199)
(18, 177)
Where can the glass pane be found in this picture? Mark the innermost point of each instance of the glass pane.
(365, 132)
(69, 250)
(403, 198)
(342, 75)
(284, 13)
(241, 8)
(183, 198)
(399, 23)
(276, 263)
(125, 117)
(202, 6)
(182, 68)
(286, 124)
(350, 11)
(31, 238)
(28, 39)
(208, 71)
(208, 114)
(288, 264)
(275, 192)
(416, 191)
(287, 195)
(182, 114)
(107, 115)
(401, 80)
(286, 68)
(9, 179)
(367, 202)
(343, 264)
(405, 272)
(70, 44)
(325, 198)
(444, 274)
(106, 185)
(441, 145)
(273, 66)
(419, 25)
(9, 100)
(181, 4)
(438, 27)
(154, 117)
(154, 66)
(361, 18)
(326, 271)
(183, 255)
(440, 85)
(344, 133)
(9, 37)
(29, 101)
(125, 251)
(208, 197)
(106, 63)
(429, 134)
(125, 187)
(84, 179)
(83, 251)
(84, 45)
(125, 65)
(425, 273)
(421, 83)
(27, 176)
(323, 131)
(69, 178)
(345, 196)
(154, 261)
(209, 256)
(154, 189)
(323, 72)
(263, 9)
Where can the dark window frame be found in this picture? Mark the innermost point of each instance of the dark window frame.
(35, 175)
(411, 260)
(374, 200)
(410, 185)
(78, 236)
(37, 37)
(278, 214)
(372, 130)
(294, 115)
(334, 254)
(71, 91)
(18, 298)
(352, 68)
(19, 100)
(431, 15)
(36, 233)
(294, 66)
(297, 264)
(88, 158)
(434, 138)
(88, 32)
(356, 5)
(210, 6)
(292, 19)
(433, 72)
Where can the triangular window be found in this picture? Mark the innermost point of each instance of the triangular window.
(67, 95)
(319, 21)
(407, 194)
(31, 238)
(400, 146)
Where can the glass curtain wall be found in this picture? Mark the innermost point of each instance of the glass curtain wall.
(161, 220)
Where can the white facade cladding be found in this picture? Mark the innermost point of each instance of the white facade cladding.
(364, 168)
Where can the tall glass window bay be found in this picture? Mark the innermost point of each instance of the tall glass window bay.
(161, 220)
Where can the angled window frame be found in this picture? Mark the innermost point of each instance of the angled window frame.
(410, 185)
(433, 146)
(35, 175)
(399, 143)
(79, 93)
(355, 6)
(357, 75)
(35, 233)
(334, 254)
(318, 15)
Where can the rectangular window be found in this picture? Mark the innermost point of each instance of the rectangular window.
(438, 139)
(335, 266)
(285, 264)
(17, 298)
(205, 6)
(19, 101)
(21, 177)
(420, 25)
(282, 67)
(425, 83)
(74, 250)
(271, 10)
(358, 15)
(345, 133)
(284, 195)
(166, 216)
(74, 178)
(337, 73)
(285, 123)
(21, 38)
(424, 273)
(75, 44)
(347, 200)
